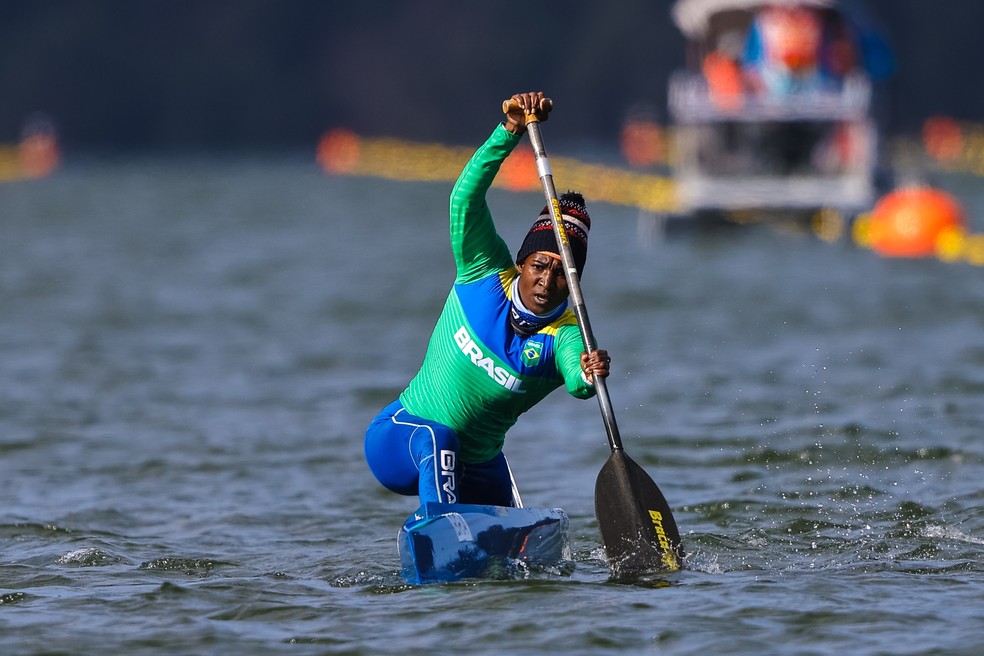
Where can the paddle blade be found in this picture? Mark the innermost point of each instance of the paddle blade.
(637, 528)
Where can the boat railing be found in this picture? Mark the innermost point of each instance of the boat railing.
(690, 101)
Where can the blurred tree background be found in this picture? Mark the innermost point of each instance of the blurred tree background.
(236, 74)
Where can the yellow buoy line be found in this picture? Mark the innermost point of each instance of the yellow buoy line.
(342, 152)
(345, 153)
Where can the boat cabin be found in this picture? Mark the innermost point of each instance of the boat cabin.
(773, 110)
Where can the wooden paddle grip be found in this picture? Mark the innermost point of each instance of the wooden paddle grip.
(546, 105)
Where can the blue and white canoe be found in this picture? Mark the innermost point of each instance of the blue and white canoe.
(442, 542)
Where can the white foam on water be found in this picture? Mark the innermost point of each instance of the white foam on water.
(950, 533)
(81, 556)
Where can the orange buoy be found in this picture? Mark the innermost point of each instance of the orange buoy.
(942, 138)
(338, 151)
(908, 222)
(641, 142)
(518, 172)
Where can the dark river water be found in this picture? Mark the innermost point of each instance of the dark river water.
(190, 351)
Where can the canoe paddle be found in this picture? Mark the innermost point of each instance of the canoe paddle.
(638, 531)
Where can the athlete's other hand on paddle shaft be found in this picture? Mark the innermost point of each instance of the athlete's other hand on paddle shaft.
(527, 103)
(596, 363)
(505, 339)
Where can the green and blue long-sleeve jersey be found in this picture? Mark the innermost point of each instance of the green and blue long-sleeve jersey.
(478, 376)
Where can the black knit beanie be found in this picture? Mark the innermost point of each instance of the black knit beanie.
(577, 223)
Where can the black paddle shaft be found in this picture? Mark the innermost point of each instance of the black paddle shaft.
(573, 282)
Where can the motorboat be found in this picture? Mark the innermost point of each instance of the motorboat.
(773, 111)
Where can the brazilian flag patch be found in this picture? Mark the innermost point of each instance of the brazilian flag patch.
(532, 352)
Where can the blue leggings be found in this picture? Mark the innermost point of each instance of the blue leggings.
(412, 455)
